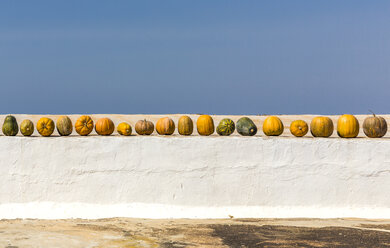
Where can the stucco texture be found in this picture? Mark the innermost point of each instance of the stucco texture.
(193, 177)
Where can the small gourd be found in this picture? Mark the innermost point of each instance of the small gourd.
(45, 126)
(226, 127)
(299, 128)
(124, 129)
(27, 127)
(273, 126)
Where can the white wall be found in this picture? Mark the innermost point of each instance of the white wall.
(194, 177)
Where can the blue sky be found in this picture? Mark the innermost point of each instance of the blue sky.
(217, 57)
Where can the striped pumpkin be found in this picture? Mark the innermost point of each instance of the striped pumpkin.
(226, 127)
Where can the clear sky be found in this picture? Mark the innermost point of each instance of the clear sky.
(217, 57)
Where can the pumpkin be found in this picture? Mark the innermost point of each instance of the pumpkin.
(185, 125)
(64, 125)
(347, 126)
(104, 126)
(246, 127)
(299, 128)
(375, 126)
(45, 126)
(273, 126)
(10, 126)
(226, 127)
(84, 125)
(205, 125)
(27, 127)
(144, 127)
(124, 129)
(321, 126)
(165, 126)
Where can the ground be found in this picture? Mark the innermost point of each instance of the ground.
(127, 233)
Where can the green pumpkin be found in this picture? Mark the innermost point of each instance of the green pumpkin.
(246, 127)
(226, 127)
(10, 126)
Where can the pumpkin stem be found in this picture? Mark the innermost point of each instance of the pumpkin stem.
(372, 112)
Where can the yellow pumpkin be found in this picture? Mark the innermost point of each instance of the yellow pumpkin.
(64, 126)
(347, 126)
(299, 128)
(205, 125)
(165, 126)
(321, 126)
(45, 126)
(185, 125)
(84, 125)
(104, 126)
(273, 126)
(124, 129)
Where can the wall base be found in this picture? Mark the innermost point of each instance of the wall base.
(51, 210)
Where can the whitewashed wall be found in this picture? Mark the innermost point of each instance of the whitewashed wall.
(193, 177)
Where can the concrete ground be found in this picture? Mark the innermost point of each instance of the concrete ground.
(125, 232)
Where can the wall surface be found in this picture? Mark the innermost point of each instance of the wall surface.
(193, 177)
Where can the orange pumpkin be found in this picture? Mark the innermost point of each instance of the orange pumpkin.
(273, 126)
(124, 129)
(185, 125)
(165, 126)
(205, 125)
(84, 125)
(45, 126)
(144, 127)
(347, 126)
(104, 126)
(299, 128)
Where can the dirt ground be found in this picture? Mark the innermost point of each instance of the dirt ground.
(126, 233)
